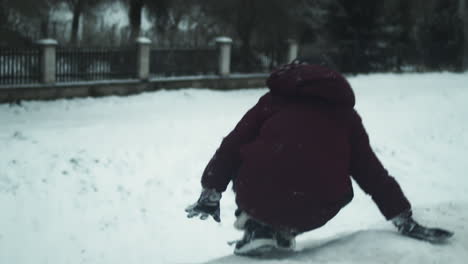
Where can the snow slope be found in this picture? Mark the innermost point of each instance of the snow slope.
(106, 180)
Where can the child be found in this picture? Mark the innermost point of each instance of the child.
(290, 159)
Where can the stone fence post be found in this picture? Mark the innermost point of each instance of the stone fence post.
(224, 64)
(292, 50)
(143, 58)
(47, 60)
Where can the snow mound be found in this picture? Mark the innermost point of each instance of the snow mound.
(379, 245)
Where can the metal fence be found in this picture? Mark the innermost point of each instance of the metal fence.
(183, 61)
(90, 64)
(258, 60)
(22, 66)
(19, 66)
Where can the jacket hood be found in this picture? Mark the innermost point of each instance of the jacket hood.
(311, 81)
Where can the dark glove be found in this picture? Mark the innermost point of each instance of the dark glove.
(409, 227)
(207, 204)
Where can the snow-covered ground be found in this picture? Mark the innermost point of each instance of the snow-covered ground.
(107, 180)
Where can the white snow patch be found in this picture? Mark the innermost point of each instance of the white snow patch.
(107, 180)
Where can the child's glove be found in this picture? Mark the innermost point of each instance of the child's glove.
(409, 227)
(207, 204)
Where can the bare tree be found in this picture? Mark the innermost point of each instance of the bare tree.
(135, 10)
(28, 14)
(76, 7)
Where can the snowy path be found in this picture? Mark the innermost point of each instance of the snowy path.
(106, 180)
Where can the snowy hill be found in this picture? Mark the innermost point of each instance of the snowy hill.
(106, 180)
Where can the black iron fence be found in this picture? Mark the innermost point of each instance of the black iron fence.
(22, 66)
(183, 61)
(90, 64)
(19, 66)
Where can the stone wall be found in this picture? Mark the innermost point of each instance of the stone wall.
(16, 94)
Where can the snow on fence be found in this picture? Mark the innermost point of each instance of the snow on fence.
(19, 66)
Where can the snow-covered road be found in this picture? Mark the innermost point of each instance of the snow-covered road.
(106, 180)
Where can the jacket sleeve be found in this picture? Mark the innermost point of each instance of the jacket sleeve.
(226, 161)
(371, 176)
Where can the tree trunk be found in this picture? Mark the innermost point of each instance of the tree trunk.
(44, 24)
(463, 13)
(245, 25)
(77, 12)
(3, 15)
(134, 15)
(246, 51)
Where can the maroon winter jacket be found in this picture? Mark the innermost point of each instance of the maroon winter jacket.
(291, 156)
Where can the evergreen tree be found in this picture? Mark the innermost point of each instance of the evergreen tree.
(354, 29)
(442, 35)
(396, 43)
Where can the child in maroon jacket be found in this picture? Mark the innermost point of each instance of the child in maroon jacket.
(290, 159)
